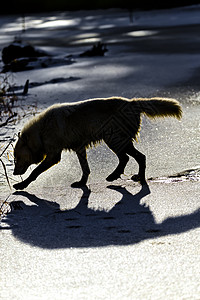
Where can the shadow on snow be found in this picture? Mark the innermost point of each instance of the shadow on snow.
(128, 222)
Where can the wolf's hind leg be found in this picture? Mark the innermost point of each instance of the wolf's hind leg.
(82, 156)
(141, 160)
(123, 159)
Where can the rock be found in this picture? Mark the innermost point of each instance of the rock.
(97, 50)
(18, 50)
(17, 65)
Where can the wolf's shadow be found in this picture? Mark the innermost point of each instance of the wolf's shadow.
(128, 222)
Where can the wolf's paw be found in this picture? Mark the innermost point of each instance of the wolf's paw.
(78, 184)
(137, 178)
(20, 186)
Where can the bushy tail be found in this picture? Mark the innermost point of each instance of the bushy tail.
(160, 107)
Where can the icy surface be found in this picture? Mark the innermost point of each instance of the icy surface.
(116, 241)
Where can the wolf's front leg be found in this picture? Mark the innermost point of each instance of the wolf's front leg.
(48, 162)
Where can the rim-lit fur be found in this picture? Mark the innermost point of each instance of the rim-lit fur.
(76, 126)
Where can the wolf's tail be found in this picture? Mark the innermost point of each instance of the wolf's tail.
(160, 107)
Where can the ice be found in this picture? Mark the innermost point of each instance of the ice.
(118, 241)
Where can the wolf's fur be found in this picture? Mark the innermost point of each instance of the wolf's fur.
(76, 126)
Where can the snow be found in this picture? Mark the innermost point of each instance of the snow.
(116, 241)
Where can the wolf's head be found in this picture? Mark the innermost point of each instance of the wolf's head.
(23, 157)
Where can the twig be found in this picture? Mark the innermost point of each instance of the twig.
(1, 208)
(25, 91)
(12, 140)
(11, 178)
(9, 118)
(4, 167)
(3, 164)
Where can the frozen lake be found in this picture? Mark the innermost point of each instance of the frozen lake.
(119, 241)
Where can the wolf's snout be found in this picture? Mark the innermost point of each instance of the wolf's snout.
(19, 171)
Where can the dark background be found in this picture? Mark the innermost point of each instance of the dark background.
(24, 6)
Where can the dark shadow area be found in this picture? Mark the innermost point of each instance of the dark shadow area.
(80, 32)
(131, 38)
(145, 39)
(37, 6)
(128, 222)
(17, 90)
(179, 39)
(31, 63)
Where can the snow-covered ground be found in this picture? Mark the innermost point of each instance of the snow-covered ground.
(119, 241)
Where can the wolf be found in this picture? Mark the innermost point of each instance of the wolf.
(77, 126)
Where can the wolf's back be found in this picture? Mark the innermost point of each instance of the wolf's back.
(160, 107)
